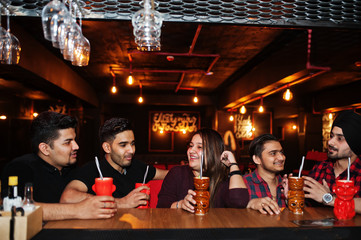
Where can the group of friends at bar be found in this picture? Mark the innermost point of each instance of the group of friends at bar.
(65, 192)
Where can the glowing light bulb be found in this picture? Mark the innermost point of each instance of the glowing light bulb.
(287, 95)
(330, 116)
(3, 117)
(231, 118)
(130, 80)
(243, 110)
(184, 131)
(294, 127)
(35, 114)
(195, 99)
(161, 131)
(114, 89)
(140, 99)
(260, 109)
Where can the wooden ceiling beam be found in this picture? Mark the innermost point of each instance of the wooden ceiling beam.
(40, 61)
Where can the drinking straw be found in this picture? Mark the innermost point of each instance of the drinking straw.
(348, 169)
(301, 167)
(201, 170)
(146, 173)
(97, 163)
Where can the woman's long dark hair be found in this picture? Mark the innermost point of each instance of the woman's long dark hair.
(213, 146)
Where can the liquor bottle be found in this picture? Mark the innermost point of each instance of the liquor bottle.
(28, 202)
(12, 199)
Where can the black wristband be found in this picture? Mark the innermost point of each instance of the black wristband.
(235, 173)
(233, 164)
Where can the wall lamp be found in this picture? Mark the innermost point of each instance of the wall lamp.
(140, 99)
(195, 99)
(261, 108)
(287, 95)
(231, 117)
(243, 110)
(113, 89)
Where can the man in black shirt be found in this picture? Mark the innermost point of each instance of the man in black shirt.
(49, 168)
(118, 143)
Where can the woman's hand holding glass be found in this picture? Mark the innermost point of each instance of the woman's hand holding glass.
(188, 202)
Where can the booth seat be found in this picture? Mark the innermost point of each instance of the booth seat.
(160, 166)
(155, 186)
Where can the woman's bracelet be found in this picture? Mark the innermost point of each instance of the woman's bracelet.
(177, 204)
(235, 173)
(233, 164)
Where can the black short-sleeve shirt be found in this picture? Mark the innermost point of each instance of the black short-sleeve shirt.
(48, 182)
(124, 183)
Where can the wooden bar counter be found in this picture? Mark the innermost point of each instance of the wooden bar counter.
(219, 223)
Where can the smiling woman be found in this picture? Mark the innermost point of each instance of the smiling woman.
(207, 158)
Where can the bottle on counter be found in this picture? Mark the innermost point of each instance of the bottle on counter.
(28, 202)
(12, 199)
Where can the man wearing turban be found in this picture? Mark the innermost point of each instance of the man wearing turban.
(344, 143)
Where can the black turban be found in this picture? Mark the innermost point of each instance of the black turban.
(350, 123)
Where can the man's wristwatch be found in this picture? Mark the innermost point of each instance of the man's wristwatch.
(327, 198)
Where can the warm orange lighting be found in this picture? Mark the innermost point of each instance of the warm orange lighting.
(184, 131)
(130, 80)
(35, 114)
(3, 117)
(330, 116)
(161, 131)
(261, 109)
(243, 109)
(253, 129)
(114, 89)
(140, 99)
(294, 127)
(195, 99)
(231, 118)
(287, 95)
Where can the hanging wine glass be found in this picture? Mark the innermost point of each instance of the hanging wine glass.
(62, 31)
(73, 34)
(12, 54)
(64, 27)
(4, 37)
(11, 48)
(56, 21)
(81, 45)
(81, 52)
(55, 9)
(60, 26)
